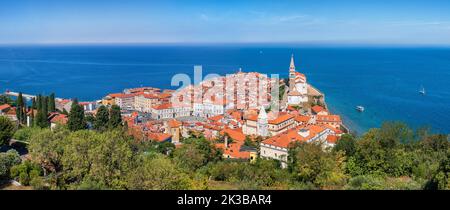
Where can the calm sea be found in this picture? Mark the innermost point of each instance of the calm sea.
(385, 81)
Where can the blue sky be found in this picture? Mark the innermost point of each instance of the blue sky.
(208, 21)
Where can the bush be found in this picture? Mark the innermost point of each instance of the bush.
(25, 172)
(26, 133)
(374, 182)
(7, 161)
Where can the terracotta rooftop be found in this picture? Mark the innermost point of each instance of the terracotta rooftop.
(284, 139)
(4, 106)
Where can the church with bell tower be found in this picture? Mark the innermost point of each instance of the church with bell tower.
(298, 88)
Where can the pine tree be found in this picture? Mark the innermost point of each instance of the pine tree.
(115, 119)
(76, 117)
(51, 103)
(101, 118)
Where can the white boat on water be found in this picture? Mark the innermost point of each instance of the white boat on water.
(360, 108)
(422, 91)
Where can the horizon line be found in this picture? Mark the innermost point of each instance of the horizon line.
(309, 43)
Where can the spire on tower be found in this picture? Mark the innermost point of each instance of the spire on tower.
(292, 66)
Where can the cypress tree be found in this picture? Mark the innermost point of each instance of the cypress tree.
(20, 108)
(41, 119)
(38, 102)
(45, 106)
(76, 117)
(33, 103)
(115, 119)
(101, 118)
(51, 103)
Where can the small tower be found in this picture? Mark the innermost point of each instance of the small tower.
(262, 126)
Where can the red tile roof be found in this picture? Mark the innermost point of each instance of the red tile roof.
(174, 123)
(281, 118)
(159, 137)
(163, 106)
(234, 151)
(4, 106)
(235, 134)
(316, 109)
(302, 118)
(328, 118)
(332, 139)
(284, 139)
(59, 118)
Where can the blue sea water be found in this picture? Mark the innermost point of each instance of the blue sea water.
(385, 81)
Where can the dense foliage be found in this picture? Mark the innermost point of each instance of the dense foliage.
(390, 157)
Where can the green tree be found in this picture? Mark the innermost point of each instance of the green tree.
(383, 151)
(7, 129)
(115, 119)
(347, 144)
(42, 112)
(158, 173)
(51, 103)
(309, 162)
(4, 99)
(196, 152)
(7, 161)
(249, 142)
(47, 148)
(76, 117)
(102, 158)
(441, 179)
(20, 111)
(101, 119)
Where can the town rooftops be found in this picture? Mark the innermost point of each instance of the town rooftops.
(234, 151)
(298, 134)
(235, 134)
(283, 117)
(316, 109)
(280, 119)
(174, 123)
(4, 107)
(163, 106)
(328, 118)
(216, 118)
(59, 118)
(302, 118)
(159, 137)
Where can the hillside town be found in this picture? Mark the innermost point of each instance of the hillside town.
(236, 112)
